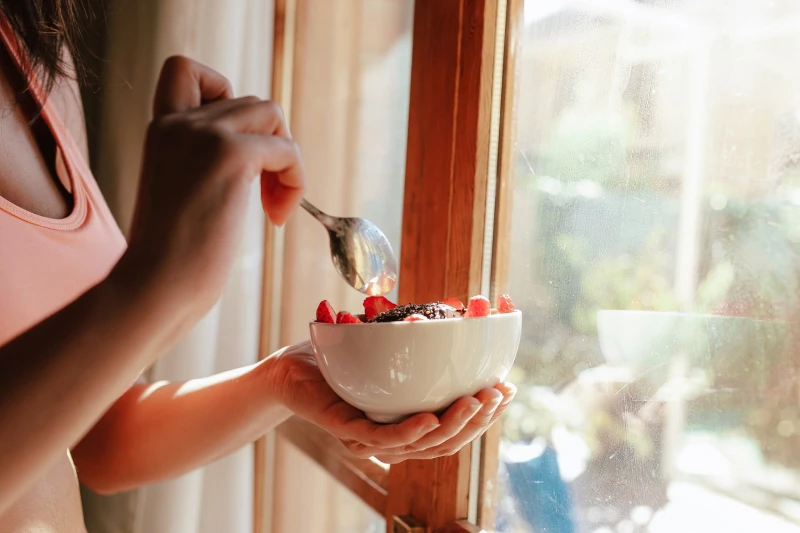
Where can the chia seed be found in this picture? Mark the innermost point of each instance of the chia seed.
(433, 311)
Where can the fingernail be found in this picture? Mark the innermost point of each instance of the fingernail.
(473, 408)
(496, 400)
(430, 427)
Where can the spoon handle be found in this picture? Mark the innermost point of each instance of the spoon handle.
(326, 220)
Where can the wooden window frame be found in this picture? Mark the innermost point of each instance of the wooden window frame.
(501, 243)
(283, 29)
(447, 167)
(444, 222)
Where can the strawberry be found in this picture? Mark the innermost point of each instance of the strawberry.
(505, 304)
(416, 317)
(375, 305)
(478, 306)
(346, 318)
(325, 312)
(455, 303)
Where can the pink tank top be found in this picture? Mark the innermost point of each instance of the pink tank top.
(46, 263)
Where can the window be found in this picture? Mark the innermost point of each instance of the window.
(655, 251)
(645, 217)
(326, 52)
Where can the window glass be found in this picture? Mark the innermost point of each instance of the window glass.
(655, 256)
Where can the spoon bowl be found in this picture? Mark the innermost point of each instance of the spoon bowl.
(360, 252)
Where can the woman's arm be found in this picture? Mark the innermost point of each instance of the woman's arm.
(166, 429)
(57, 378)
(160, 430)
(201, 155)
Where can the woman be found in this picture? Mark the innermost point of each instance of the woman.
(82, 313)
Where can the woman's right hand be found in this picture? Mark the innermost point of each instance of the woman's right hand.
(202, 151)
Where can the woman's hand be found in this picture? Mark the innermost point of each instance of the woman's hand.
(202, 151)
(301, 387)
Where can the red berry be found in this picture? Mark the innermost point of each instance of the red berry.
(325, 312)
(505, 304)
(346, 318)
(478, 306)
(455, 303)
(416, 317)
(375, 305)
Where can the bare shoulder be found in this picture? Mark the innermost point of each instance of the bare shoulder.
(66, 100)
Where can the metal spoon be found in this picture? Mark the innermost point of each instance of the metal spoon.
(360, 252)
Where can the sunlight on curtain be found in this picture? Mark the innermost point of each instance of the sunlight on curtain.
(234, 37)
(349, 115)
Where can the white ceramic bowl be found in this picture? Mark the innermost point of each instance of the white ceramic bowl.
(396, 369)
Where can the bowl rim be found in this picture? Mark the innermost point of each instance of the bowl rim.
(437, 321)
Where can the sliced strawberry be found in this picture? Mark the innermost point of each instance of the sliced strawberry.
(505, 304)
(375, 305)
(325, 312)
(455, 303)
(346, 318)
(478, 306)
(416, 317)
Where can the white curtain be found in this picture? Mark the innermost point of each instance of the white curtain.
(349, 115)
(234, 37)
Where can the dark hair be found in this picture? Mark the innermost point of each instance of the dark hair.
(48, 28)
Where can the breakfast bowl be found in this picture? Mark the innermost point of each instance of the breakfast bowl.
(393, 370)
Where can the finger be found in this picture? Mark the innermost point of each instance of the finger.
(383, 436)
(449, 447)
(278, 199)
(395, 459)
(464, 418)
(453, 421)
(251, 114)
(491, 399)
(185, 84)
(282, 174)
(492, 402)
(364, 438)
(270, 153)
(509, 391)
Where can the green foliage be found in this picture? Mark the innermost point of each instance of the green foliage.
(622, 282)
(750, 266)
(587, 146)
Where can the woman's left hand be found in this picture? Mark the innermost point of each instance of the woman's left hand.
(301, 388)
